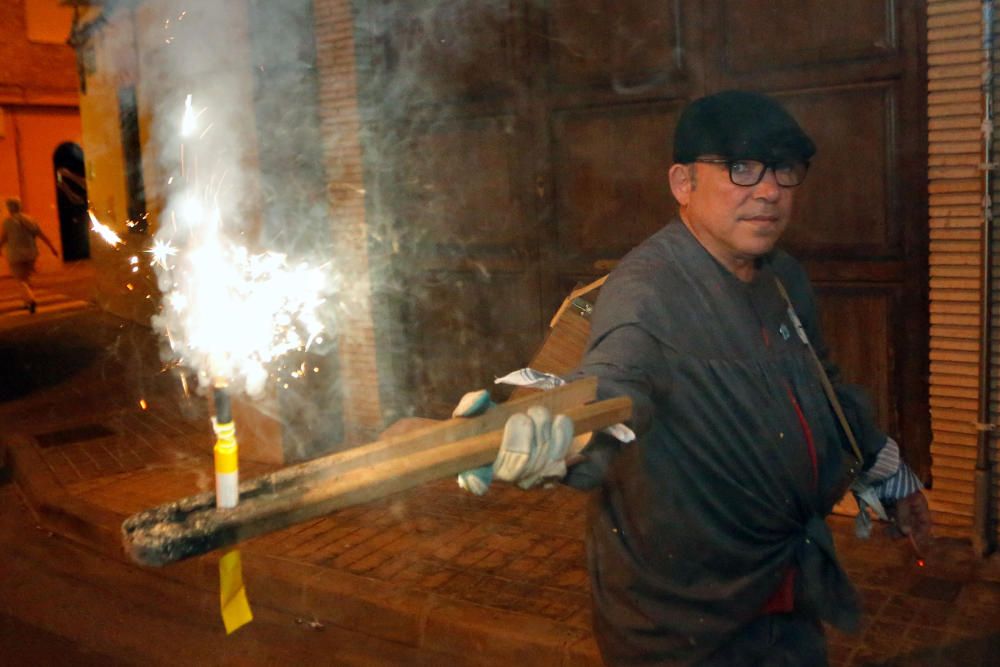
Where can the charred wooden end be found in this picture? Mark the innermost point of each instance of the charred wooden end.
(193, 526)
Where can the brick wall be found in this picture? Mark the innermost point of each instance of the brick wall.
(340, 126)
(955, 108)
(30, 69)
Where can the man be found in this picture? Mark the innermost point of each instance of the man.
(18, 234)
(707, 544)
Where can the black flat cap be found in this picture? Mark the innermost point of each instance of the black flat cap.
(740, 125)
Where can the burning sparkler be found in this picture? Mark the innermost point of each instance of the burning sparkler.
(228, 313)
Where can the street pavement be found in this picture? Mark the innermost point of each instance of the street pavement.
(57, 293)
(97, 430)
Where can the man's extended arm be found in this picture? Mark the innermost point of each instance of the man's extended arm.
(626, 362)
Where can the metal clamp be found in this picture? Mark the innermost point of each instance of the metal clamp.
(584, 308)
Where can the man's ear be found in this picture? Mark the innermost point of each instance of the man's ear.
(681, 182)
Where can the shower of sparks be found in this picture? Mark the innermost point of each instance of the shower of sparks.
(228, 312)
(103, 230)
(233, 313)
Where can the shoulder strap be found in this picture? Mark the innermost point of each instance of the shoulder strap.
(831, 395)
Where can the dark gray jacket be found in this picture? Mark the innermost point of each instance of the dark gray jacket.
(698, 521)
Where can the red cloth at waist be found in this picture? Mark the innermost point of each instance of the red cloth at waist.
(783, 599)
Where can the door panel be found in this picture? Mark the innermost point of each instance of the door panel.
(467, 328)
(846, 203)
(854, 316)
(454, 184)
(781, 34)
(445, 159)
(624, 44)
(434, 52)
(610, 176)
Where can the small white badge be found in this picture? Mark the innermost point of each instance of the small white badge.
(799, 329)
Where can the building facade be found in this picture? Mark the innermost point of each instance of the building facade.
(41, 159)
(467, 164)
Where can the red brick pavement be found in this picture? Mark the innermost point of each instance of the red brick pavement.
(502, 576)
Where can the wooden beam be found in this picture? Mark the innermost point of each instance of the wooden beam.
(193, 526)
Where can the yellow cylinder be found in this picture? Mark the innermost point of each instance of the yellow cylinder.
(226, 450)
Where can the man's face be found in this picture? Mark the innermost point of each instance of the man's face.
(735, 223)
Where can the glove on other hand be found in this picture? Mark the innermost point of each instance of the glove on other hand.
(477, 480)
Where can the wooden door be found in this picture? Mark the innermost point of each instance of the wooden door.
(533, 155)
(853, 73)
(450, 203)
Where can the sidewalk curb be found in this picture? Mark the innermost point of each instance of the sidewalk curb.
(56, 510)
(411, 617)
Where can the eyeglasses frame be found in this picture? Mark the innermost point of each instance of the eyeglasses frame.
(767, 165)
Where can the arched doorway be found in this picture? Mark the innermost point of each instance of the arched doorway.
(71, 196)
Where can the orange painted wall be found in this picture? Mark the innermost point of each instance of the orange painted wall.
(48, 21)
(10, 181)
(28, 65)
(38, 132)
(39, 103)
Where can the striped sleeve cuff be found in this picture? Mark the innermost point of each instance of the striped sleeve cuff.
(900, 485)
(889, 477)
(886, 464)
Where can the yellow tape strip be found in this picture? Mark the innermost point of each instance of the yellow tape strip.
(232, 594)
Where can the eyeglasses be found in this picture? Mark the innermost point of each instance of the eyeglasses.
(751, 172)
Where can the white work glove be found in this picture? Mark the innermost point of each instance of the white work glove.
(533, 448)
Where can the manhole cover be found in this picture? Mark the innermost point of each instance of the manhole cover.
(931, 588)
(68, 436)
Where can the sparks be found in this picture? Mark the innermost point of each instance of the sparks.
(142, 403)
(228, 311)
(232, 312)
(162, 251)
(188, 121)
(103, 230)
(916, 550)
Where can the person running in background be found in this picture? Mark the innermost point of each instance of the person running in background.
(18, 235)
